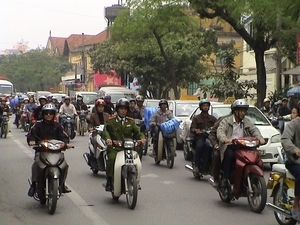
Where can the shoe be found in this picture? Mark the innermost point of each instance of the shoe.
(65, 189)
(108, 186)
(139, 187)
(196, 169)
(31, 191)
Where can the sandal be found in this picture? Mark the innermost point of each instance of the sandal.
(295, 214)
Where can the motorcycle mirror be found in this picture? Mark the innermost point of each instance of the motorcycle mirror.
(143, 128)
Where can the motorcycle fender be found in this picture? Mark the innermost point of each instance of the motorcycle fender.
(53, 172)
(127, 169)
(253, 169)
(119, 162)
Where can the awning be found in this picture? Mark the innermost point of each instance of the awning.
(294, 71)
(69, 78)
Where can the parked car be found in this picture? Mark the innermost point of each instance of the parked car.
(272, 136)
(151, 103)
(116, 92)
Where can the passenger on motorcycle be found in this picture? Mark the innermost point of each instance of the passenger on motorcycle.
(157, 118)
(55, 102)
(31, 105)
(80, 105)
(234, 127)
(203, 147)
(99, 117)
(140, 104)
(290, 141)
(67, 108)
(109, 106)
(266, 109)
(37, 112)
(122, 127)
(132, 111)
(46, 129)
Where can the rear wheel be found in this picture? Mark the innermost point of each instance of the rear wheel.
(95, 171)
(187, 154)
(131, 195)
(257, 200)
(281, 200)
(53, 194)
(171, 152)
(4, 130)
(225, 191)
(145, 147)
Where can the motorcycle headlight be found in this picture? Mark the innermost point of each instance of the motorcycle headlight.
(276, 138)
(128, 144)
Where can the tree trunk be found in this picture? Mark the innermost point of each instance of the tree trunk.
(261, 76)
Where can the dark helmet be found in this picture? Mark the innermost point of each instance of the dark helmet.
(107, 97)
(203, 101)
(163, 101)
(122, 102)
(79, 97)
(139, 98)
(240, 103)
(99, 102)
(48, 107)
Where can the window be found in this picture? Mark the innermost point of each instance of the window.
(192, 88)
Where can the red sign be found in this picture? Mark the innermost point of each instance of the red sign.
(105, 79)
(298, 50)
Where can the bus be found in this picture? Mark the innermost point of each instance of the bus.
(6, 88)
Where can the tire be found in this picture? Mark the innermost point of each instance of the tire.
(280, 199)
(81, 127)
(186, 153)
(157, 162)
(145, 149)
(95, 171)
(225, 192)
(4, 130)
(114, 197)
(170, 151)
(140, 151)
(53, 195)
(131, 195)
(258, 201)
(27, 126)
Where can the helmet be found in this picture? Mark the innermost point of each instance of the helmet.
(25, 99)
(139, 98)
(132, 100)
(99, 102)
(54, 98)
(107, 97)
(240, 103)
(163, 101)
(122, 102)
(49, 107)
(203, 101)
(79, 97)
(284, 99)
(266, 100)
(67, 97)
(43, 97)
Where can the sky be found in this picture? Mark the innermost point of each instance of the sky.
(31, 20)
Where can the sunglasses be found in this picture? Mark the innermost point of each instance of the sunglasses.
(49, 113)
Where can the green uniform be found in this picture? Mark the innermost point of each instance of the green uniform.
(128, 130)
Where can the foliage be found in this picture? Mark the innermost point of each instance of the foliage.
(262, 32)
(158, 42)
(33, 70)
(228, 77)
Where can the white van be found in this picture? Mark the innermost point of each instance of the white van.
(89, 98)
(116, 92)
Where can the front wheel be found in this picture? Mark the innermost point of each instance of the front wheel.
(81, 127)
(4, 130)
(257, 200)
(52, 195)
(281, 200)
(187, 154)
(171, 153)
(132, 193)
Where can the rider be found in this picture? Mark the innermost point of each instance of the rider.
(290, 140)
(46, 129)
(31, 105)
(282, 111)
(67, 108)
(233, 127)
(266, 109)
(203, 148)
(80, 105)
(140, 104)
(132, 111)
(122, 127)
(37, 112)
(157, 118)
(99, 117)
(109, 106)
(3, 108)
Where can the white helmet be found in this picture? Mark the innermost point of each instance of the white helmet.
(266, 100)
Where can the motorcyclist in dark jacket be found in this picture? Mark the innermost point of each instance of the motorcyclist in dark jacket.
(37, 112)
(132, 111)
(46, 129)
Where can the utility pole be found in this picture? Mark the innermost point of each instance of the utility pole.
(83, 61)
(278, 55)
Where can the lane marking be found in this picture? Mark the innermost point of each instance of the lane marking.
(167, 182)
(83, 206)
(151, 175)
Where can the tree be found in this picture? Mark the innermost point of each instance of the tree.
(263, 14)
(34, 70)
(162, 43)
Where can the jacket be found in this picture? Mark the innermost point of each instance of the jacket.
(225, 131)
(94, 119)
(213, 133)
(290, 139)
(135, 114)
(202, 122)
(159, 117)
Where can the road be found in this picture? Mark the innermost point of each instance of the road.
(168, 196)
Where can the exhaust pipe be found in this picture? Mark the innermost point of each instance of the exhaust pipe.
(279, 210)
(189, 168)
(86, 157)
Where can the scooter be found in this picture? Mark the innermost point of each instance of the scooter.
(68, 124)
(82, 122)
(127, 171)
(205, 160)
(248, 177)
(52, 169)
(282, 185)
(96, 159)
(4, 125)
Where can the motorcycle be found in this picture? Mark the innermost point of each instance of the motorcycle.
(4, 125)
(82, 122)
(248, 177)
(25, 121)
(142, 149)
(51, 171)
(96, 159)
(282, 184)
(208, 147)
(127, 171)
(68, 124)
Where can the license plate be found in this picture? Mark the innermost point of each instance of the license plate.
(262, 151)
